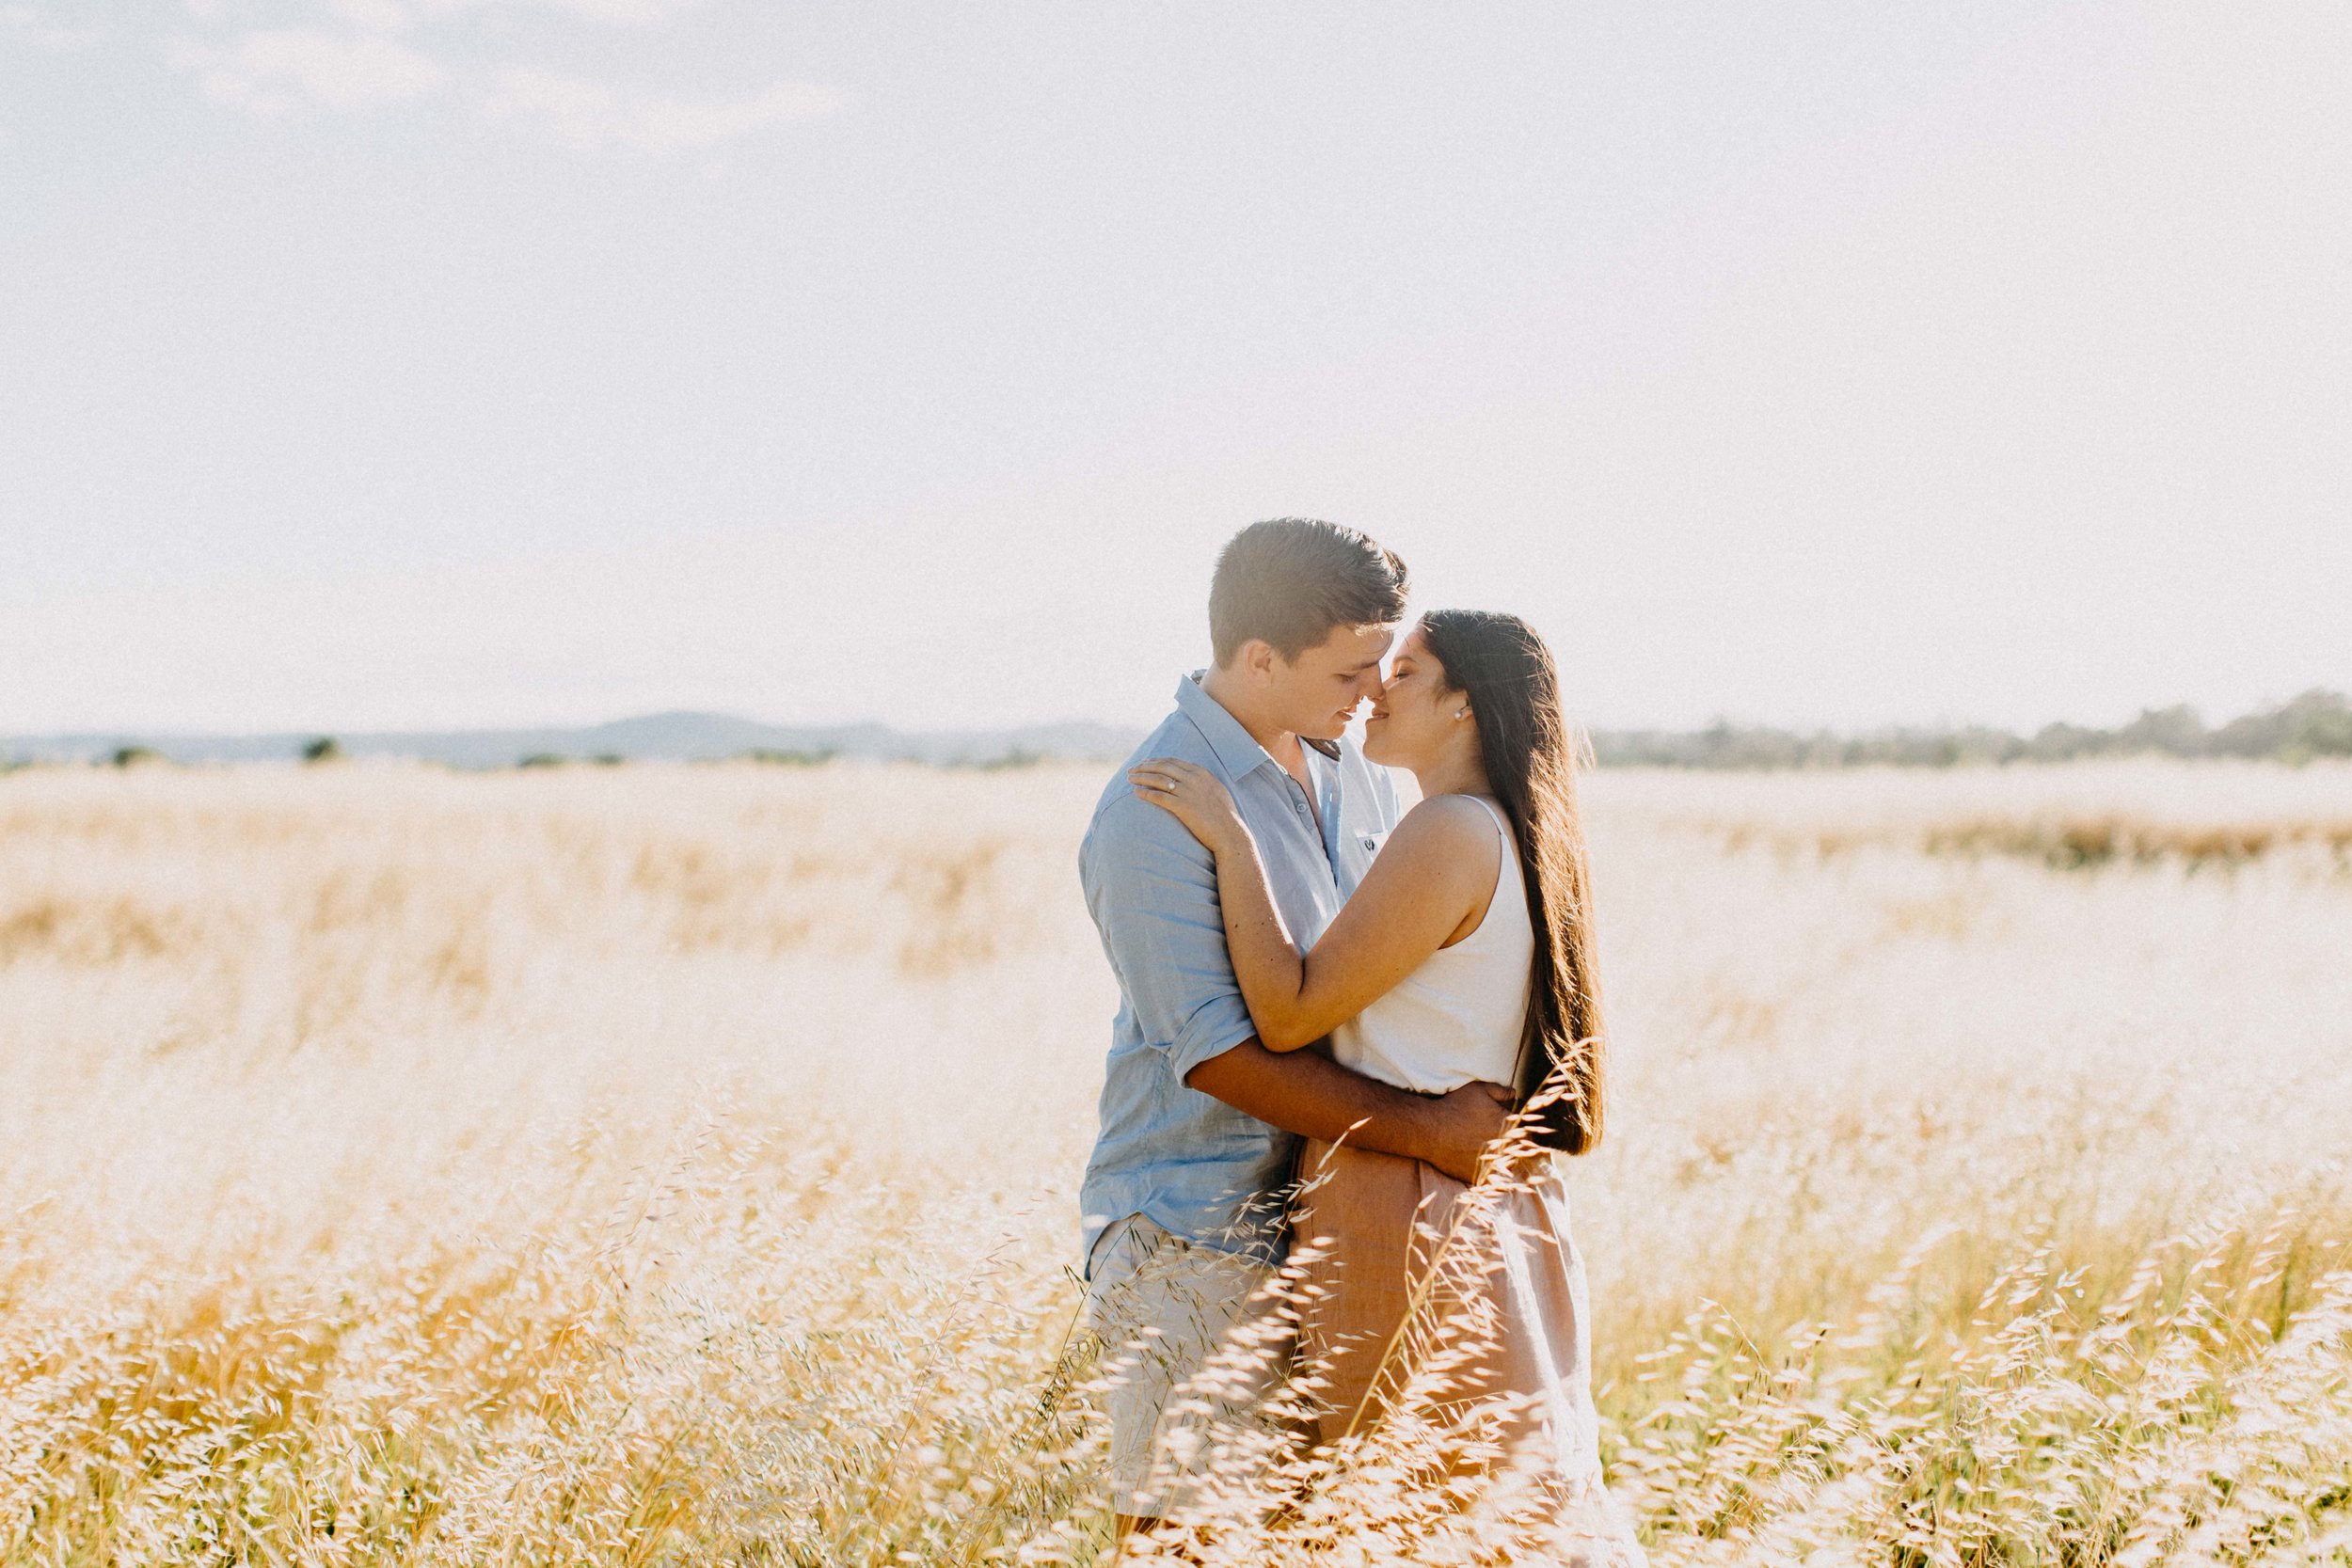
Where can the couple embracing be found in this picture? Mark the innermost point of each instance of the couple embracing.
(1334, 1023)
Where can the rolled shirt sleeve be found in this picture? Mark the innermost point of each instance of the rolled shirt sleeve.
(1152, 888)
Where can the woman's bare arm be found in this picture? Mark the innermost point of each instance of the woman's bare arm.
(1437, 870)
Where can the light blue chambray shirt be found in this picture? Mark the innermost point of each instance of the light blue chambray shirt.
(1187, 1162)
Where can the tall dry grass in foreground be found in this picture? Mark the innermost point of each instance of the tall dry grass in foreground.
(666, 1166)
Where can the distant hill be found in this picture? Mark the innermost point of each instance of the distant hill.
(654, 737)
(2316, 724)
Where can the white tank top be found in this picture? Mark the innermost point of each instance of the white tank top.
(1458, 1016)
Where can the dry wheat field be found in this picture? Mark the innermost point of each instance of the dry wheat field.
(676, 1164)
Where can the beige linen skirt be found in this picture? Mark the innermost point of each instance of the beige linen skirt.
(1457, 1314)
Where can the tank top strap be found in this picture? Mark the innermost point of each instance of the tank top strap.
(1503, 823)
(1507, 874)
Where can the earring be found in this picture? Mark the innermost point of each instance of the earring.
(1461, 713)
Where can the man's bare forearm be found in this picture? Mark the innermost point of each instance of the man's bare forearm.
(1307, 1093)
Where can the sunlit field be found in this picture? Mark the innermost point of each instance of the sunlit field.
(677, 1165)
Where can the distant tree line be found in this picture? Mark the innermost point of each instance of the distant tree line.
(2316, 724)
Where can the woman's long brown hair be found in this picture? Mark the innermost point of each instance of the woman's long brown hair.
(1530, 756)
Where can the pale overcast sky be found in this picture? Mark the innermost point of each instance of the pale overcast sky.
(434, 362)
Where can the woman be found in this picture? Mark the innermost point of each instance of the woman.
(1465, 953)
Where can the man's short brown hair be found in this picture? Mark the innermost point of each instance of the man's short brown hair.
(1289, 580)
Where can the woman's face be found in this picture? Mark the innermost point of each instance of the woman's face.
(1413, 716)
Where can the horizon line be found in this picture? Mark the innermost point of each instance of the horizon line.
(1717, 722)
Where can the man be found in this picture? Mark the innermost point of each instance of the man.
(1183, 1200)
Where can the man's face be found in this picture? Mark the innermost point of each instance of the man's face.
(1315, 694)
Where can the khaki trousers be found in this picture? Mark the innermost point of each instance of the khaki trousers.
(1193, 1350)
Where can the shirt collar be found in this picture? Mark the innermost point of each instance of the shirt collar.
(1237, 752)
